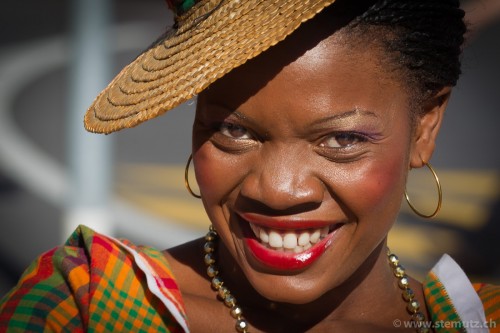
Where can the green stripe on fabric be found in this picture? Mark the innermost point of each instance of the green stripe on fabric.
(25, 326)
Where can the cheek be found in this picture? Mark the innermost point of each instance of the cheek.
(216, 173)
(376, 190)
(206, 170)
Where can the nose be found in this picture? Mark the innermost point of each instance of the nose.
(282, 179)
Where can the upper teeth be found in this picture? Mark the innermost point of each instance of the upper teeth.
(292, 241)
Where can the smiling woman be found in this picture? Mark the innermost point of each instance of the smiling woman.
(310, 115)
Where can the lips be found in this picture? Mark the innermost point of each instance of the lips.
(286, 245)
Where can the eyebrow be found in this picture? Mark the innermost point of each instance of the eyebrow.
(344, 115)
(317, 122)
(244, 117)
(241, 115)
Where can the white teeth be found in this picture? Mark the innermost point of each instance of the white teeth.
(264, 237)
(275, 239)
(255, 229)
(298, 249)
(314, 238)
(303, 239)
(290, 241)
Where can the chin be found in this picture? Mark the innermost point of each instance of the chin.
(290, 289)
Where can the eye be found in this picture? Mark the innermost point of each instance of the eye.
(342, 140)
(234, 131)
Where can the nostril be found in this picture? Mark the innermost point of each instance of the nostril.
(281, 183)
(266, 206)
(280, 199)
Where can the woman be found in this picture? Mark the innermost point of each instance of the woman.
(310, 115)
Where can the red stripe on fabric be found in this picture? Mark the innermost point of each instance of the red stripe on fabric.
(103, 242)
(168, 283)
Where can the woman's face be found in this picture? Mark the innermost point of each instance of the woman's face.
(302, 164)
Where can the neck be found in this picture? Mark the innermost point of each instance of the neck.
(358, 298)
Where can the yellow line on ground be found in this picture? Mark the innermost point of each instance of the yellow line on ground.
(186, 212)
(467, 195)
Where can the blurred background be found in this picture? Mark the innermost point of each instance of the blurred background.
(56, 55)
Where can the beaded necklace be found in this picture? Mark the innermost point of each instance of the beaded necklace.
(413, 306)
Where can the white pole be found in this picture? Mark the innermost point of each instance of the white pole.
(89, 155)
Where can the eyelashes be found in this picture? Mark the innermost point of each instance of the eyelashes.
(344, 147)
(335, 140)
(234, 131)
(336, 146)
(343, 140)
(233, 138)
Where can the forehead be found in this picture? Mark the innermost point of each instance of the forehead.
(331, 70)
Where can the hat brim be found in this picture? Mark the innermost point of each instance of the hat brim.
(213, 38)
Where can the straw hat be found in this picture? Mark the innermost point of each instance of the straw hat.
(212, 38)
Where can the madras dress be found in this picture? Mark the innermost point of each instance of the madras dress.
(456, 305)
(95, 283)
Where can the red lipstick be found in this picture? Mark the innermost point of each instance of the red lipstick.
(280, 260)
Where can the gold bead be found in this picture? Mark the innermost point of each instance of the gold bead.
(399, 271)
(209, 259)
(223, 292)
(408, 294)
(212, 228)
(209, 247)
(210, 236)
(217, 282)
(236, 312)
(241, 325)
(413, 306)
(418, 316)
(230, 301)
(212, 271)
(404, 282)
(393, 260)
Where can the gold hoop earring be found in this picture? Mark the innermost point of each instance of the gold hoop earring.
(186, 178)
(440, 194)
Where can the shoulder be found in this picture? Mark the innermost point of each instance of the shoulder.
(55, 285)
(453, 300)
(95, 281)
(187, 262)
(206, 312)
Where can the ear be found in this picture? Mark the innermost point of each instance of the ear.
(427, 128)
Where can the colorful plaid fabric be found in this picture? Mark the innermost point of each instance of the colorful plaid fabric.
(98, 284)
(490, 296)
(438, 303)
(95, 284)
(441, 308)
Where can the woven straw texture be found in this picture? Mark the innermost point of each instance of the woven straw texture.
(213, 38)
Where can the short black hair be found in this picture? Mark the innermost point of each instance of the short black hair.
(423, 37)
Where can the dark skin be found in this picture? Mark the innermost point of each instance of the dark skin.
(208, 314)
(309, 130)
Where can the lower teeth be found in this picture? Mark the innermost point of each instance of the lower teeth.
(297, 249)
